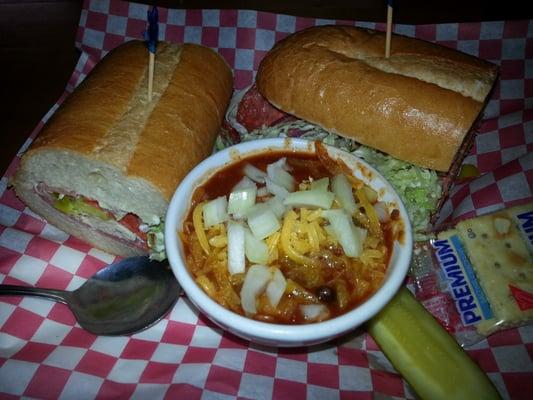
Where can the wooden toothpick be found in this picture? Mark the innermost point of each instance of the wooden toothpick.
(389, 29)
(151, 36)
(151, 75)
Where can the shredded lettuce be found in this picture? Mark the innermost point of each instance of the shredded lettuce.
(156, 241)
(419, 188)
(303, 130)
(221, 143)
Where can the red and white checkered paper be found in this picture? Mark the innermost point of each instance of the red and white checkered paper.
(45, 354)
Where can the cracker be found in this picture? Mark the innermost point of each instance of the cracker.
(501, 258)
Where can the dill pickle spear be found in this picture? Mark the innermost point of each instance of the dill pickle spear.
(425, 354)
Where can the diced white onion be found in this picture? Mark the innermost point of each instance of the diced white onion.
(382, 211)
(276, 287)
(256, 250)
(254, 173)
(343, 192)
(278, 174)
(371, 194)
(275, 189)
(281, 163)
(144, 227)
(283, 178)
(245, 182)
(320, 184)
(276, 205)
(214, 211)
(362, 233)
(313, 198)
(349, 237)
(241, 200)
(236, 240)
(262, 221)
(314, 312)
(255, 281)
(263, 192)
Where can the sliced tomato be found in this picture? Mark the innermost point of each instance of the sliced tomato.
(94, 203)
(133, 223)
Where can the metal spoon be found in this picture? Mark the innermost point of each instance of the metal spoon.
(120, 299)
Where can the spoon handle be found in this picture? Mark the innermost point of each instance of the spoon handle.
(51, 294)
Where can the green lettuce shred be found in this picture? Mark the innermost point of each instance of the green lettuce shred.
(156, 241)
(306, 131)
(419, 188)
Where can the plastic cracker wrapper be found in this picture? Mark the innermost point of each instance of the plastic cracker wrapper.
(476, 277)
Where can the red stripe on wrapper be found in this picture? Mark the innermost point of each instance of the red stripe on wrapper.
(524, 299)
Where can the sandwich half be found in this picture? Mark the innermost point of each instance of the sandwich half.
(411, 115)
(107, 163)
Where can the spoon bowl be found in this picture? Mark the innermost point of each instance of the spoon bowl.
(120, 299)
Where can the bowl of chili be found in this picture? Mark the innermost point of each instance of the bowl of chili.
(287, 242)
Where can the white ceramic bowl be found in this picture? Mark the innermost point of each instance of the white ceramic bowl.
(278, 334)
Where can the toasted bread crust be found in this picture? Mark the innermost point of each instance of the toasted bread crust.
(417, 105)
(109, 117)
(183, 126)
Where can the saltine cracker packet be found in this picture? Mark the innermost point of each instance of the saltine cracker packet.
(476, 278)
